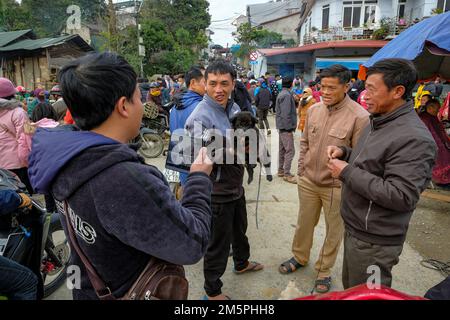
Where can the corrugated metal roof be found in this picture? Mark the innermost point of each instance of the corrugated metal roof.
(8, 37)
(326, 45)
(30, 45)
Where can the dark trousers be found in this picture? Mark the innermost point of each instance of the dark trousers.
(286, 152)
(274, 103)
(360, 255)
(16, 281)
(262, 118)
(22, 173)
(50, 204)
(229, 225)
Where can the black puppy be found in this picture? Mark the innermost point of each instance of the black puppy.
(246, 121)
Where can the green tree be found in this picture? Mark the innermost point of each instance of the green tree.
(48, 17)
(251, 38)
(13, 16)
(174, 33)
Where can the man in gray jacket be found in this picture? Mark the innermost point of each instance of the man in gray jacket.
(228, 203)
(383, 176)
(286, 121)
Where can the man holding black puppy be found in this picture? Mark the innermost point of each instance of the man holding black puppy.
(228, 205)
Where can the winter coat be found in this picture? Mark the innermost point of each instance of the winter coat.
(286, 111)
(122, 210)
(13, 152)
(185, 104)
(388, 170)
(263, 99)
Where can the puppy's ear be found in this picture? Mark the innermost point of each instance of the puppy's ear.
(233, 120)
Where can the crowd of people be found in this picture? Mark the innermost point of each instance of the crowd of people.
(365, 158)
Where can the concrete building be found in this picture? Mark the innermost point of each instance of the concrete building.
(306, 60)
(347, 32)
(286, 26)
(276, 16)
(329, 20)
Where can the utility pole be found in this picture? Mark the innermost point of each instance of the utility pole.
(141, 48)
(112, 23)
(246, 58)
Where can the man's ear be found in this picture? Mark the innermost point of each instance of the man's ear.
(121, 107)
(347, 87)
(399, 91)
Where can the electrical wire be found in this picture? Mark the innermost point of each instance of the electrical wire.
(442, 267)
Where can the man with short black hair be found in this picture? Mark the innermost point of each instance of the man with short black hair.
(229, 224)
(185, 103)
(383, 175)
(286, 123)
(122, 210)
(337, 120)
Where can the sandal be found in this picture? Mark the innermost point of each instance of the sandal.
(325, 282)
(289, 266)
(205, 298)
(252, 266)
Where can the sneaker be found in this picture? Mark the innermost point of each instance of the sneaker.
(290, 179)
(281, 174)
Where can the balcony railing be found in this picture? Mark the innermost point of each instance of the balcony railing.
(389, 27)
(336, 33)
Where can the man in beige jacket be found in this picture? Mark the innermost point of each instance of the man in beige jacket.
(337, 120)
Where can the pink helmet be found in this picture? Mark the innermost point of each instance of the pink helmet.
(21, 89)
(7, 88)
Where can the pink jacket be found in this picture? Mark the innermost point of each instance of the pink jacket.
(13, 153)
(26, 138)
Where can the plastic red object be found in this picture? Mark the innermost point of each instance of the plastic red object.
(362, 292)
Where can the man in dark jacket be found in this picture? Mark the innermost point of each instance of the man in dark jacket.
(121, 209)
(383, 176)
(263, 98)
(228, 196)
(286, 121)
(241, 97)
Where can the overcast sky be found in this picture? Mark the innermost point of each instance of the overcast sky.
(226, 10)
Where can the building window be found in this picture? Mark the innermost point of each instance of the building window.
(401, 9)
(444, 5)
(308, 23)
(369, 14)
(352, 14)
(325, 17)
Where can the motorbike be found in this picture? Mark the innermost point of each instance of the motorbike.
(153, 128)
(35, 239)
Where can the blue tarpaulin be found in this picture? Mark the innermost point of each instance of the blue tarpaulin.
(429, 38)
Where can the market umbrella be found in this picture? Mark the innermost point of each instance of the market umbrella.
(427, 44)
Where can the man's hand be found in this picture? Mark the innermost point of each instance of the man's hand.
(26, 201)
(202, 163)
(334, 152)
(336, 166)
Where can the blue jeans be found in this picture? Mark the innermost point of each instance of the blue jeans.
(16, 281)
